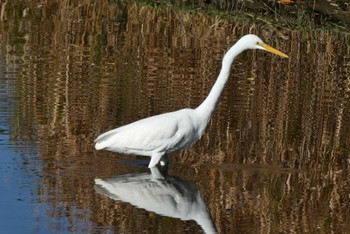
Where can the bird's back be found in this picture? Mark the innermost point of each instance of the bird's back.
(161, 133)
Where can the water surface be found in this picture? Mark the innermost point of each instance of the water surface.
(274, 159)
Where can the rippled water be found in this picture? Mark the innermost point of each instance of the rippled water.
(274, 159)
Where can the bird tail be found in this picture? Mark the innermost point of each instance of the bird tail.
(100, 145)
(104, 140)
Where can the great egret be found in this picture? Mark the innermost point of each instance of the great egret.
(161, 134)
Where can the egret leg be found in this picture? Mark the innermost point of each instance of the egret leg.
(155, 159)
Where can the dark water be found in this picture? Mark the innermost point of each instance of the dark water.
(274, 159)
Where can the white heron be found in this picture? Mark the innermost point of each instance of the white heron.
(161, 134)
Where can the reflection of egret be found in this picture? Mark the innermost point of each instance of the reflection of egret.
(156, 192)
(165, 133)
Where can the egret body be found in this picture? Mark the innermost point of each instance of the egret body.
(161, 134)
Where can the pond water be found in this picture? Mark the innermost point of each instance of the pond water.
(274, 158)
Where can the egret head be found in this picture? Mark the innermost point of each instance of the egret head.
(251, 41)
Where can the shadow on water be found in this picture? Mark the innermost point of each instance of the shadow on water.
(159, 193)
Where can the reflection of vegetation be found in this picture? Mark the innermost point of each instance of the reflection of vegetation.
(327, 223)
(294, 132)
(277, 192)
(93, 65)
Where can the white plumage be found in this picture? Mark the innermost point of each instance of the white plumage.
(158, 135)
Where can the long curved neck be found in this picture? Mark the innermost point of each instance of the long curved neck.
(207, 107)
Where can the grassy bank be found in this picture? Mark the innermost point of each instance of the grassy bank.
(299, 15)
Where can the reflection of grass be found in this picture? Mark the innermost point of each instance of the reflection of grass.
(327, 223)
(294, 132)
(328, 187)
(277, 192)
(98, 97)
(2, 132)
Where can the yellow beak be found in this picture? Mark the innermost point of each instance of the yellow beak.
(273, 50)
